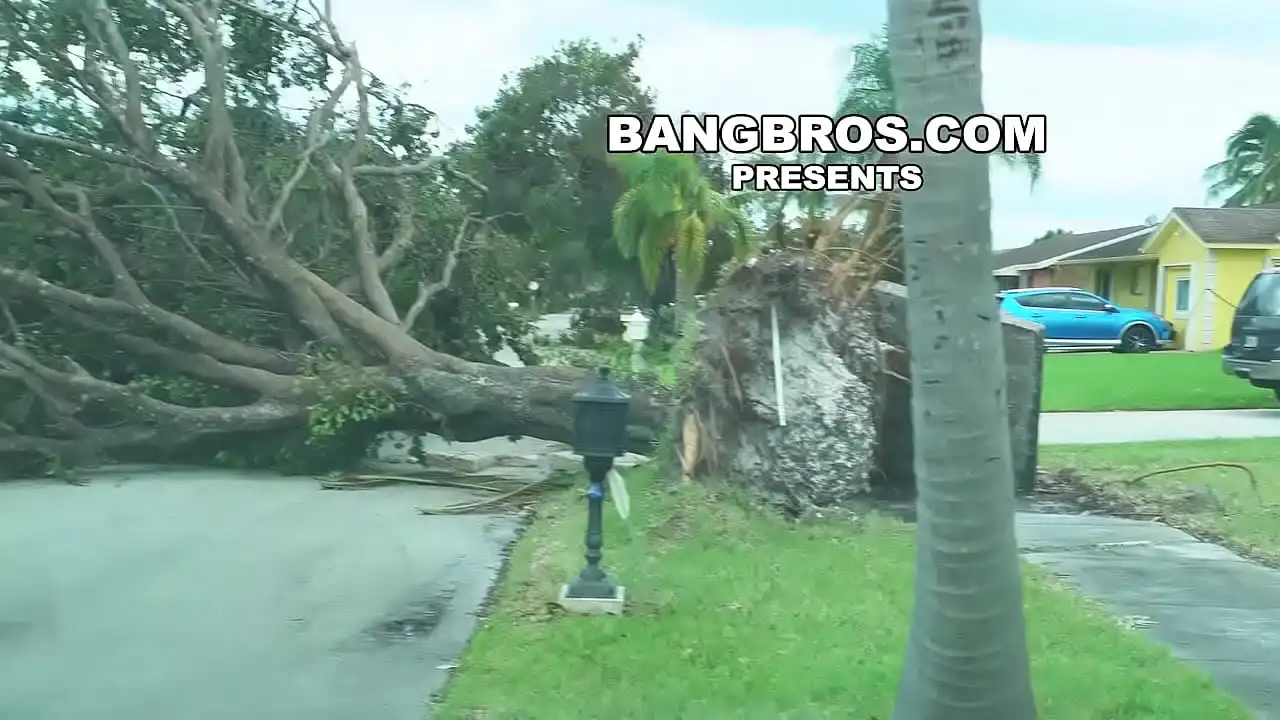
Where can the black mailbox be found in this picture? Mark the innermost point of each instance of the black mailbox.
(600, 418)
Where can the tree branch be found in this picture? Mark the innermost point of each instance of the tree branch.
(81, 384)
(427, 291)
(81, 222)
(241, 282)
(104, 31)
(199, 365)
(214, 344)
(291, 185)
(342, 176)
(399, 170)
(403, 239)
(229, 210)
(223, 161)
(370, 265)
(325, 312)
(178, 427)
(20, 137)
(61, 410)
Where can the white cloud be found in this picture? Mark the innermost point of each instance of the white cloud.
(1130, 128)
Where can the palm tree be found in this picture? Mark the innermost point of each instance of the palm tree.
(966, 656)
(869, 90)
(669, 210)
(868, 86)
(1250, 174)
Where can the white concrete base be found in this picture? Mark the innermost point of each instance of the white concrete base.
(592, 606)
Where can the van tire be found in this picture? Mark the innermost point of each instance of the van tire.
(1137, 339)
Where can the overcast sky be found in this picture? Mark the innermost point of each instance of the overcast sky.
(1136, 110)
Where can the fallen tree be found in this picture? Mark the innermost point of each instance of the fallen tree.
(271, 290)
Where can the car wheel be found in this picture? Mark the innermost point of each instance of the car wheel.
(1137, 339)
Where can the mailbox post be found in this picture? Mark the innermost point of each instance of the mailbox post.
(599, 435)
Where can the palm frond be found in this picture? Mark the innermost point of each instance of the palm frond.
(691, 247)
(1029, 163)
(1250, 172)
(654, 248)
(868, 85)
(629, 219)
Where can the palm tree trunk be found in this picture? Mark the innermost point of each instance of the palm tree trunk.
(966, 657)
(686, 302)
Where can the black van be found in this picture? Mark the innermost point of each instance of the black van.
(1254, 351)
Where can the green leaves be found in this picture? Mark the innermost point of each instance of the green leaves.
(869, 90)
(868, 85)
(670, 208)
(1250, 173)
(539, 147)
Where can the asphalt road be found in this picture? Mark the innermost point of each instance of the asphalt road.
(202, 595)
(1116, 427)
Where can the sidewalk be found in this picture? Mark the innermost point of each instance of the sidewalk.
(1065, 428)
(1216, 610)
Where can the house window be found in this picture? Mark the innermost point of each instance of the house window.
(1135, 280)
(1182, 295)
(1102, 282)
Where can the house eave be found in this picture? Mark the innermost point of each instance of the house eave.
(1241, 246)
(1057, 259)
(1101, 261)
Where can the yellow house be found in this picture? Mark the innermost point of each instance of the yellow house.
(1192, 268)
(1206, 257)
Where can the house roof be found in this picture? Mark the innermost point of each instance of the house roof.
(1128, 247)
(1058, 245)
(1248, 225)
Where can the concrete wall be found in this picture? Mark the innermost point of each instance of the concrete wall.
(1024, 363)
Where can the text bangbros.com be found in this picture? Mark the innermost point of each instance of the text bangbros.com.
(886, 137)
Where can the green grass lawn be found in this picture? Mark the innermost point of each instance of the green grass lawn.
(1154, 381)
(1222, 503)
(735, 613)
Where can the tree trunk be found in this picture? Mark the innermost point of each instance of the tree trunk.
(492, 401)
(967, 657)
(686, 302)
(482, 401)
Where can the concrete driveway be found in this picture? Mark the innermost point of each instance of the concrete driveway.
(1116, 427)
(207, 595)
(1208, 605)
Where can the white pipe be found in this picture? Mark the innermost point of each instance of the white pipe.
(777, 365)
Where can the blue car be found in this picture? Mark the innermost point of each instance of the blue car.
(1073, 318)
